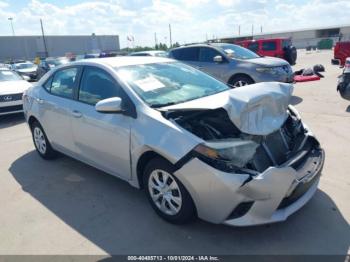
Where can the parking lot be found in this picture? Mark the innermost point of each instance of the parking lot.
(66, 207)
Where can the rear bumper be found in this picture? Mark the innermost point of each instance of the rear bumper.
(271, 196)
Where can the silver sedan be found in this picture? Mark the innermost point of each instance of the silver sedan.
(197, 148)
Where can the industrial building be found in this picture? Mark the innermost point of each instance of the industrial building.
(301, 38)
(28, 47)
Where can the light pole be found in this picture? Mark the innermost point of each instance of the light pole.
(42, 31)
(13, 31)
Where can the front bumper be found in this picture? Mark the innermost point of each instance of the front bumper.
(11, 107)
(273, 195)
(284, 76)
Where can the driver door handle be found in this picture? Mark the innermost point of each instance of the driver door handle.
(76, 114)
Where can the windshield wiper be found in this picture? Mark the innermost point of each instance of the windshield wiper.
(163, 105)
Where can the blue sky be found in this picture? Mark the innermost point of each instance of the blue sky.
(191, 20)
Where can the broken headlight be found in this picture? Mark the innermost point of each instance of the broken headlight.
(227, 155)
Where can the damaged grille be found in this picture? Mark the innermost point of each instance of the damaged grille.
(277, 148)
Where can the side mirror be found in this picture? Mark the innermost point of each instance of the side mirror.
(27, 78)
(218, 59)
(109, 105)
(335, 62)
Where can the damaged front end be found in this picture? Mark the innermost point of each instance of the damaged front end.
(276, 168)
(230, 150)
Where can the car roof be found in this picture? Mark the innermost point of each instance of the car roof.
(149, 52)
(204, 45)
(120, 61)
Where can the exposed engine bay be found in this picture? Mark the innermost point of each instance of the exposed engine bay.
(215, 127)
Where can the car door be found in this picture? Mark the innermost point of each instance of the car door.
(254, 46)
(208, 65)
(269, 48)
(101, 139)
(56, 107)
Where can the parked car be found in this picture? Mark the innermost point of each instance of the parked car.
(12, 87)
(341, 52)
(25, 68)
(234, 64)
(198, 148)
(108, 54)
(47, 64)
(150, 53)
(94, 55)
(275, 47)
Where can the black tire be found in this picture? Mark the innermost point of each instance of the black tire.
(234, 81)
(49, 152)
(187, 212)
(290, 54)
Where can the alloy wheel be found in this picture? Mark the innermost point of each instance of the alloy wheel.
(39, 140)
(165, 192)
(240, 83)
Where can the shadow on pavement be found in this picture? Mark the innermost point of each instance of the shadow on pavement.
(118, 219)
(295, 100)
(11, 120)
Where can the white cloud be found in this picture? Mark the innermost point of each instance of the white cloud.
(191, 20)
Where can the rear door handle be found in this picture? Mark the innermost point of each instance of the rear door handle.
(77, 114)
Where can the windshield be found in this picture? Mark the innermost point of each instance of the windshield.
(24, 65)
(238, 52)
(7, 75)
(163, 84)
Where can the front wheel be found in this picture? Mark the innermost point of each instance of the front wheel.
(167, 195)
(42, 144)
(239, 81)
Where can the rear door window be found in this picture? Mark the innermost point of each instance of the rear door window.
(269, 46)
(64, 81)
(254, 46)
(186, 54)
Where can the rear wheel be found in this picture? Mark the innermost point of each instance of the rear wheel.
(240, 80)
(167, 195)
(42, 144)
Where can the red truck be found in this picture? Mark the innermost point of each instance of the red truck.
(341, 52)
(276, 47)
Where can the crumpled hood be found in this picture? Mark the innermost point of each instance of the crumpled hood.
(268, 61)
(258, 109)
